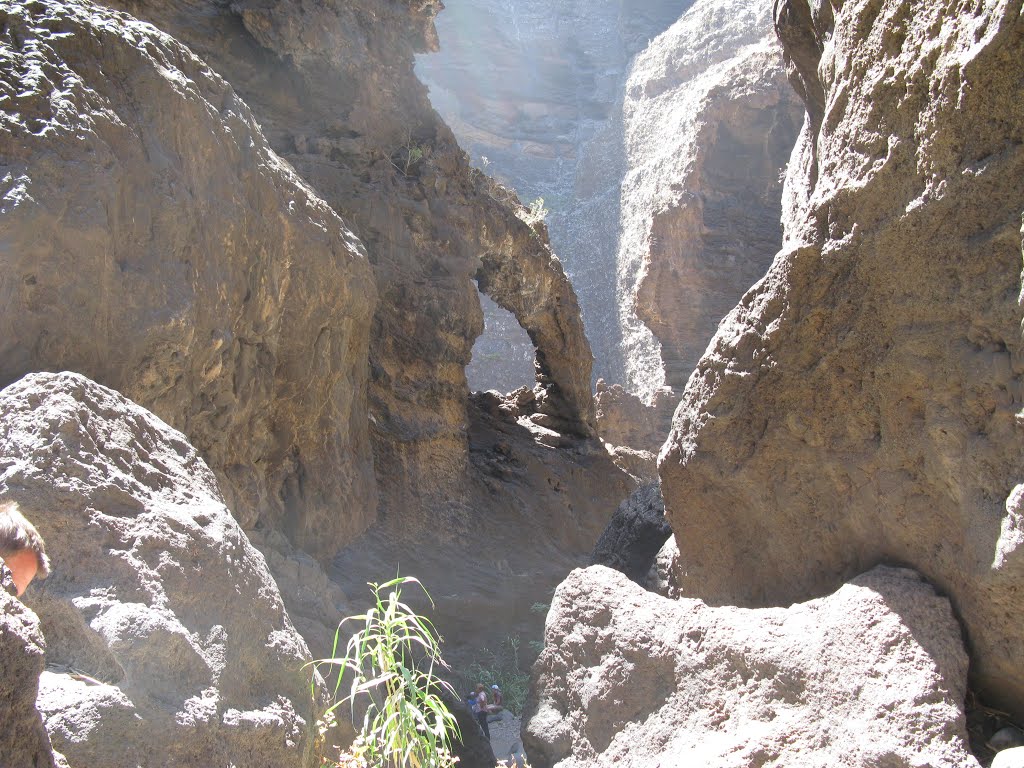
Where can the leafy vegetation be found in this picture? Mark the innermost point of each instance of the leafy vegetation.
(389, 666)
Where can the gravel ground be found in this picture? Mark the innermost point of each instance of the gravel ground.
(505, 739)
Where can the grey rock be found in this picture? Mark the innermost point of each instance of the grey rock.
(168, 642)
(24, 743)
(543, 105)
(634, 535)
(861, 402)
(874, 674)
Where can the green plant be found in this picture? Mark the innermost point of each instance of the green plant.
(535, 212)
(389, 664)
(501, 666)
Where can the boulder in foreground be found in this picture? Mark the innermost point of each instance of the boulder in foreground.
(167, 641)
(871, 675)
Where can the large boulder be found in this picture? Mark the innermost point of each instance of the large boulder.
(872, 675)
(154, 242)
(167, 640)
(861, 403)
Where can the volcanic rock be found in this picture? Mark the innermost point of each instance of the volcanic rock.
(167, 640)
(24, 742)
(873, 674)
(634, 535)
(861, 403)
(154, 242)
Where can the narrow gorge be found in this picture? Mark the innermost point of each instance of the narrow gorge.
(673, 345)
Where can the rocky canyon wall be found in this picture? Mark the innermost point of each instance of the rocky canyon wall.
(536, 87)
(862, 402)
(153, 241)
(709, 124)
(316, 361)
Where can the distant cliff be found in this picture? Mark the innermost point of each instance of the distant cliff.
(536, 88)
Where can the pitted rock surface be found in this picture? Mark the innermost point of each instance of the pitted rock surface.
(167, 640)
(154, 242)
(874, 674)
(862, 402)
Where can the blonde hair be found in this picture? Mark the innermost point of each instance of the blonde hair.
(17, 534)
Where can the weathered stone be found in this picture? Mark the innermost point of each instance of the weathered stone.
(710, 122)
(634, 535)
(154, 242)
(168, 643)
(333, 88)
(24, 743)
(533, 513)
(633, 430)
(862, 401)
(874, 674)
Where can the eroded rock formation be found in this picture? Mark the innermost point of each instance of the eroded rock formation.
(333, 89)
(874, 674)
(167, 640)
(154, 242)
(533, 91)
(862, 403)
(710, 122)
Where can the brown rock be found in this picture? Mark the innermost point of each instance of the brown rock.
(168, 642)
(154, 242)
(861, 403)
(874, 674)
(333, 88)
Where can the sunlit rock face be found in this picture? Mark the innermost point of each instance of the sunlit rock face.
(861, 404)
(167, 642)
(871, 675)
(710, 122)
(533, 91)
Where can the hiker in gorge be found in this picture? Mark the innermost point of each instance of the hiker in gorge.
(498, 704)
(480, 710)
(22, 551)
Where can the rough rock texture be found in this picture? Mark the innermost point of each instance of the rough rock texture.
(535, 87)
(862, 403)
(25, 743)
(710, 122)
(167, 640)
(634, 535)
(333, 89)
(154, 242)
(871, 675)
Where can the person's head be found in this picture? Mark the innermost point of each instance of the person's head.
(480, 687)
(495, 688)
(21, 547)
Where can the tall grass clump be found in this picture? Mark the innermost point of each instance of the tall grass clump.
(388, 666)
